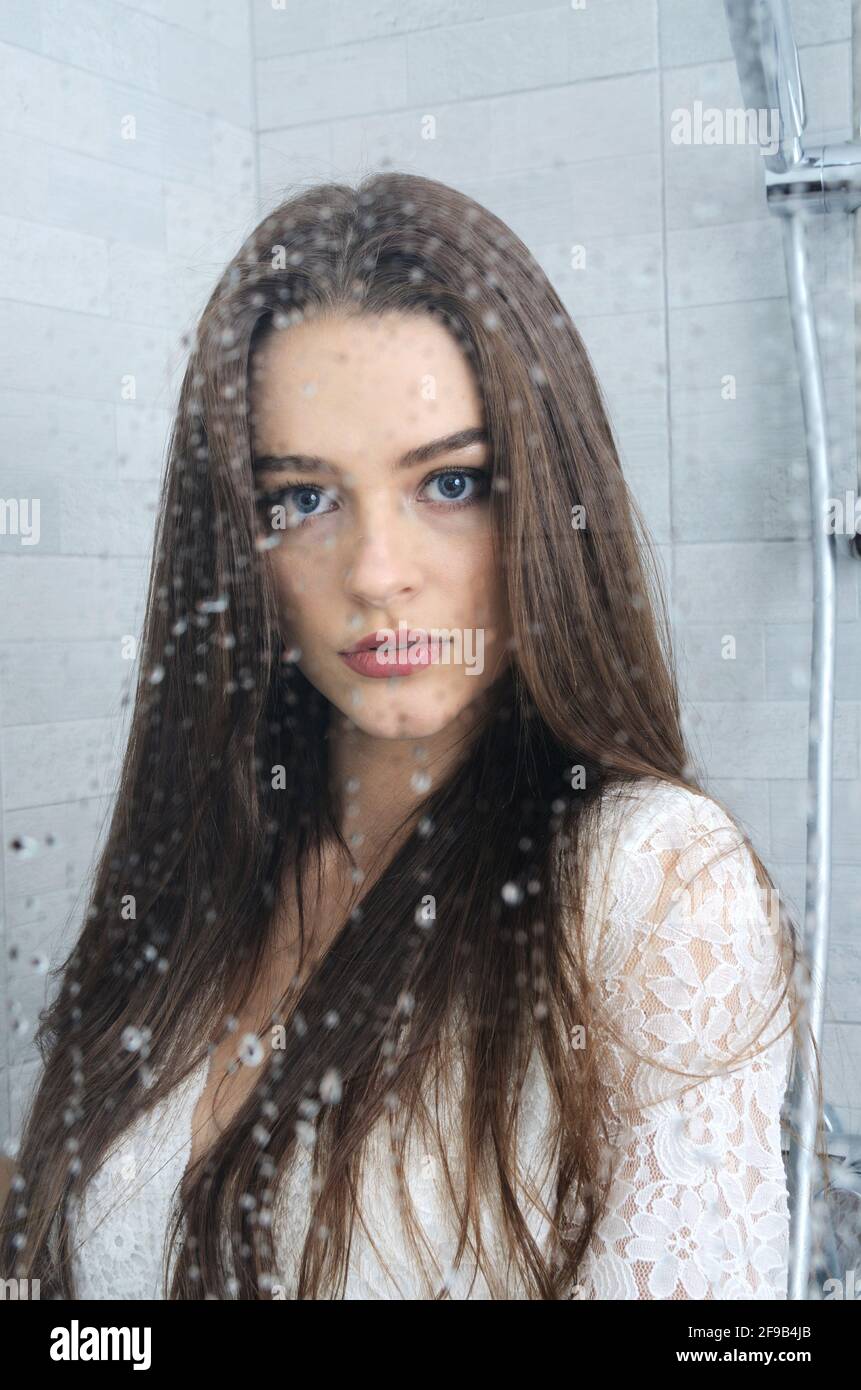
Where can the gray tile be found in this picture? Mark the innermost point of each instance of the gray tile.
(44, 683)
(595, 275)
(841, 1065)
(771, 581)
(747, 801)
(341, 81)
(721, 662)
(788, 656)
(485, 59)
(45, 183)
(56, 434)
(789, 820)
(53, 266)
(66, 598)
(44, 764)
(51, 848)
(102, 38)
(758, 738)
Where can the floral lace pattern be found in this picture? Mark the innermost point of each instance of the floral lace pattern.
(698, 1207)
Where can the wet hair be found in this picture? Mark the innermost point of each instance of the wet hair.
(203, 841)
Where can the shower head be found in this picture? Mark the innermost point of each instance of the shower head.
(767, 60)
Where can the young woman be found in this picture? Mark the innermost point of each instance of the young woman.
(417, 964)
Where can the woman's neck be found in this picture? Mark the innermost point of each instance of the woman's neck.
(376, 782)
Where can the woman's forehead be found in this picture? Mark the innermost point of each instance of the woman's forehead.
(338, 392)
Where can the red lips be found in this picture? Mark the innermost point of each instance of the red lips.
(371, 640)
(365, 644)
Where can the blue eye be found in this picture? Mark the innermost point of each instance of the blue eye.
(304, 502)
(459, 485)
(299, 500)
(304, 498)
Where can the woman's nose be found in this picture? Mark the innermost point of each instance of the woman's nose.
(383, 564)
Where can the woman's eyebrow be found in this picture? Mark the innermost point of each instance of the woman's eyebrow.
(422, 453)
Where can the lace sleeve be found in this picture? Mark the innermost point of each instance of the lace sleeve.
(699, 1205)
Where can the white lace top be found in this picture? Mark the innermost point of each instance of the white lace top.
(699, 1203)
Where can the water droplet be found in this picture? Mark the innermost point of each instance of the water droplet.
(132, 1039)
(306, 1134)
(251, 1052)
(331, 1088)
(212, 605)
(24, 846)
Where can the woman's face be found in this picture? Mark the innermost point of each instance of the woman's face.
(367, 440)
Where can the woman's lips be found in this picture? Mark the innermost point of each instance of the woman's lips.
(406, 662)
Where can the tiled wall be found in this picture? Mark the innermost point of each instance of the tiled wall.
(558, 119)
(128, 178)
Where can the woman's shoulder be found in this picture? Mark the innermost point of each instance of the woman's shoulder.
(637, 808)
(660, 854)
(654, 818)
(685, 936)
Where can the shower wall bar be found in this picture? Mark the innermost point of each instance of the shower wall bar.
(800, 182)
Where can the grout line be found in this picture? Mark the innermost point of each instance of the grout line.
(255, 115)
(666, 316)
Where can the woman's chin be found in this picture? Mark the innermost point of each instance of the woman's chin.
(402, 715)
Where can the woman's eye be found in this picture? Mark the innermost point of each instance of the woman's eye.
(297, 502)
(293, 504)
(457, 485)
(306, 500)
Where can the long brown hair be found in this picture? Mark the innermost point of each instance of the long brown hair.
(200, 838)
